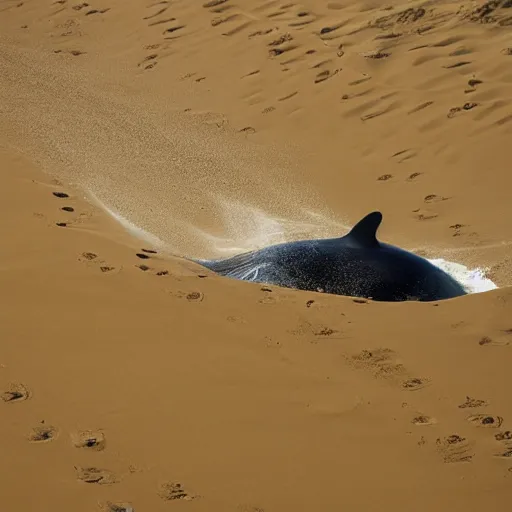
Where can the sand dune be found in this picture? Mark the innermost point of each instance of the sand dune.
(133, 380)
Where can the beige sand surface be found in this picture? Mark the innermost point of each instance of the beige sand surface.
(128, 383)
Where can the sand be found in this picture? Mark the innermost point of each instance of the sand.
(131, 379)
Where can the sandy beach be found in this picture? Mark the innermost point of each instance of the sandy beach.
(134, 135)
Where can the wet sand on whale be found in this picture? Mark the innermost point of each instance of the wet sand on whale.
(130, 380)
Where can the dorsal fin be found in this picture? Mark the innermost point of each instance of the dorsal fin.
(364, 233)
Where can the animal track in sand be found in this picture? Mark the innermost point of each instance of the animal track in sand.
(16, 392)
(93, 475)
(455, 448)
(43, 434)
(89, 439)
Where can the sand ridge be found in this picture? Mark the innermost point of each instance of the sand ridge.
(133, 380)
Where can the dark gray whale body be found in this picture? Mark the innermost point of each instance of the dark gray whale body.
(355, 265)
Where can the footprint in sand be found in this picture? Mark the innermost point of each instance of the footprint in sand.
(15, 393)
(422, 419)
(91, 258)
(505, 440)
(485, 420)
(472, 402)
(190, 296)
(248, 130)
(424, 215)
(60, 195)
(455, 110)
(381, 361)
(415, 384)
(500, 342)
(93, 475)
(433, 198)
(144, 255)
(454, 448)
(267, 298)
(93, 440)
(43, 434)
(170, 491)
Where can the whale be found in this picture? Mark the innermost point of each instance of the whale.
(354, 265)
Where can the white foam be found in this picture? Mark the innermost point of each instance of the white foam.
(473, 280)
